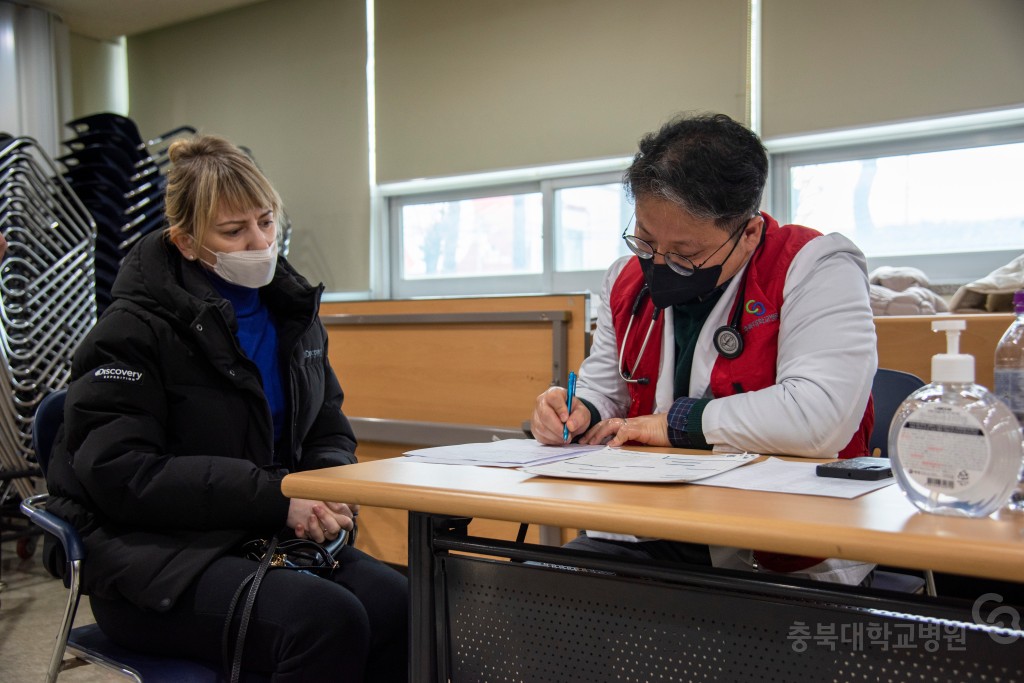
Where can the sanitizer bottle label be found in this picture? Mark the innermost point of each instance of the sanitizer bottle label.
(943, 449)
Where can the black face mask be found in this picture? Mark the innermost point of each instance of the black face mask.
(669, 288)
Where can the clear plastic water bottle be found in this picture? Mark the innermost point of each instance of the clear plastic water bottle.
(1009, 381)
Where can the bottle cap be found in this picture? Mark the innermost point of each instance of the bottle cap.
(952, 367)
(1018, 302)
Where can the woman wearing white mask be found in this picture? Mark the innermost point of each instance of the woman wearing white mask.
(202, 385)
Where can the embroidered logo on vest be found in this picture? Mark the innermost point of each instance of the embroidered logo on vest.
(754, 308)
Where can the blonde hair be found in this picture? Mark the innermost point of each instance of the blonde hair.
(209, 173)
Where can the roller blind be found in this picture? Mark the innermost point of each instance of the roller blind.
(474, 85)
(835, 64)
(286, 78)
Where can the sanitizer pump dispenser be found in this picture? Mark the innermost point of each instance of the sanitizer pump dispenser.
(956, 449)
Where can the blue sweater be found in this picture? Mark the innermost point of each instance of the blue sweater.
(257, 335)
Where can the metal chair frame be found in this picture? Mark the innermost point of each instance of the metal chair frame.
(88, 643)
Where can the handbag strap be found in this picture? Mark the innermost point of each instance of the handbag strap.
(326, 562)
(253, 581)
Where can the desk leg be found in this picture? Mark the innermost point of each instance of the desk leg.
(423, 634)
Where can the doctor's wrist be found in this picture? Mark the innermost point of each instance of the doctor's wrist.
(685, 423)
(595, 416)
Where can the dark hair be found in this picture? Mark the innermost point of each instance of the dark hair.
(711, 166)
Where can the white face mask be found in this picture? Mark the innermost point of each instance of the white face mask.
(253, 269)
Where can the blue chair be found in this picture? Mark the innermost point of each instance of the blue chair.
(88, 643)
(889, 389)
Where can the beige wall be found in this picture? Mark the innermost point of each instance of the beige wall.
(287, 79)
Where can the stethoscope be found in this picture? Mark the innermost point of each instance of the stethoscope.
(727, 340)
(627, 375)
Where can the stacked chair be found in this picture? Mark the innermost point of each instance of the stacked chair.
(119, 178)
(47, 305)
(47, 291)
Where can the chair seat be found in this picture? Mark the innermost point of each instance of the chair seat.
(91, 644)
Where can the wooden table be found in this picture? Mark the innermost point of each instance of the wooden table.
(881, 526)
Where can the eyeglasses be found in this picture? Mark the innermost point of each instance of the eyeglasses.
(677, 262)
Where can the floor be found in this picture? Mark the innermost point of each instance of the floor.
(31, 607)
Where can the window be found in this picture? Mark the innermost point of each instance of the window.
(944, 196)
(493, 236)
(949, 204)
(927, 203)
(587, 222)
(554, 234)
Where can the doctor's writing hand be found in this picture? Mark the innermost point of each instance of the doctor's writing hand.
(550, 414)
(319, 520)
(651, 430)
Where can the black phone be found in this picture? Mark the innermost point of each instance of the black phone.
(866, 469)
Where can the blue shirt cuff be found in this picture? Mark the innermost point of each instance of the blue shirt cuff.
(685, 424)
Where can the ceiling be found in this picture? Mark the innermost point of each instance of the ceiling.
(108, 19)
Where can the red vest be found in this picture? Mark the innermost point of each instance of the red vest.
(759, 322)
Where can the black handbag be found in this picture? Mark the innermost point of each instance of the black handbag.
(299, 554)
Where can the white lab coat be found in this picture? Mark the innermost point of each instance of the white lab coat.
(827, 358)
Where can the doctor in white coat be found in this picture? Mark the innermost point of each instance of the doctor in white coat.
(723, 331)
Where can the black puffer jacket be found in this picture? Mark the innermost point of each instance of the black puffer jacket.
(167, 460)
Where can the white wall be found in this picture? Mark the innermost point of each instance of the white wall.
(99, 76)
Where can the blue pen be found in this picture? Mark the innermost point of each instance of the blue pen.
(570, 392)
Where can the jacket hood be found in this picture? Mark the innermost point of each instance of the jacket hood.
(152, 277)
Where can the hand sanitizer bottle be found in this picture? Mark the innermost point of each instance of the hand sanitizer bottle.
(956, 449)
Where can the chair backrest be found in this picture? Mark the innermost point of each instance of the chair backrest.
(88, 643)
(889, 389)
(48, 419)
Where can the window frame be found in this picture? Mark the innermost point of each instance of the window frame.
(453, 286)
(546, 181)
(575, 280)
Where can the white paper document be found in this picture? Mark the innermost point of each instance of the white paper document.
(617, 464)
(504, 453)
(785, 476)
